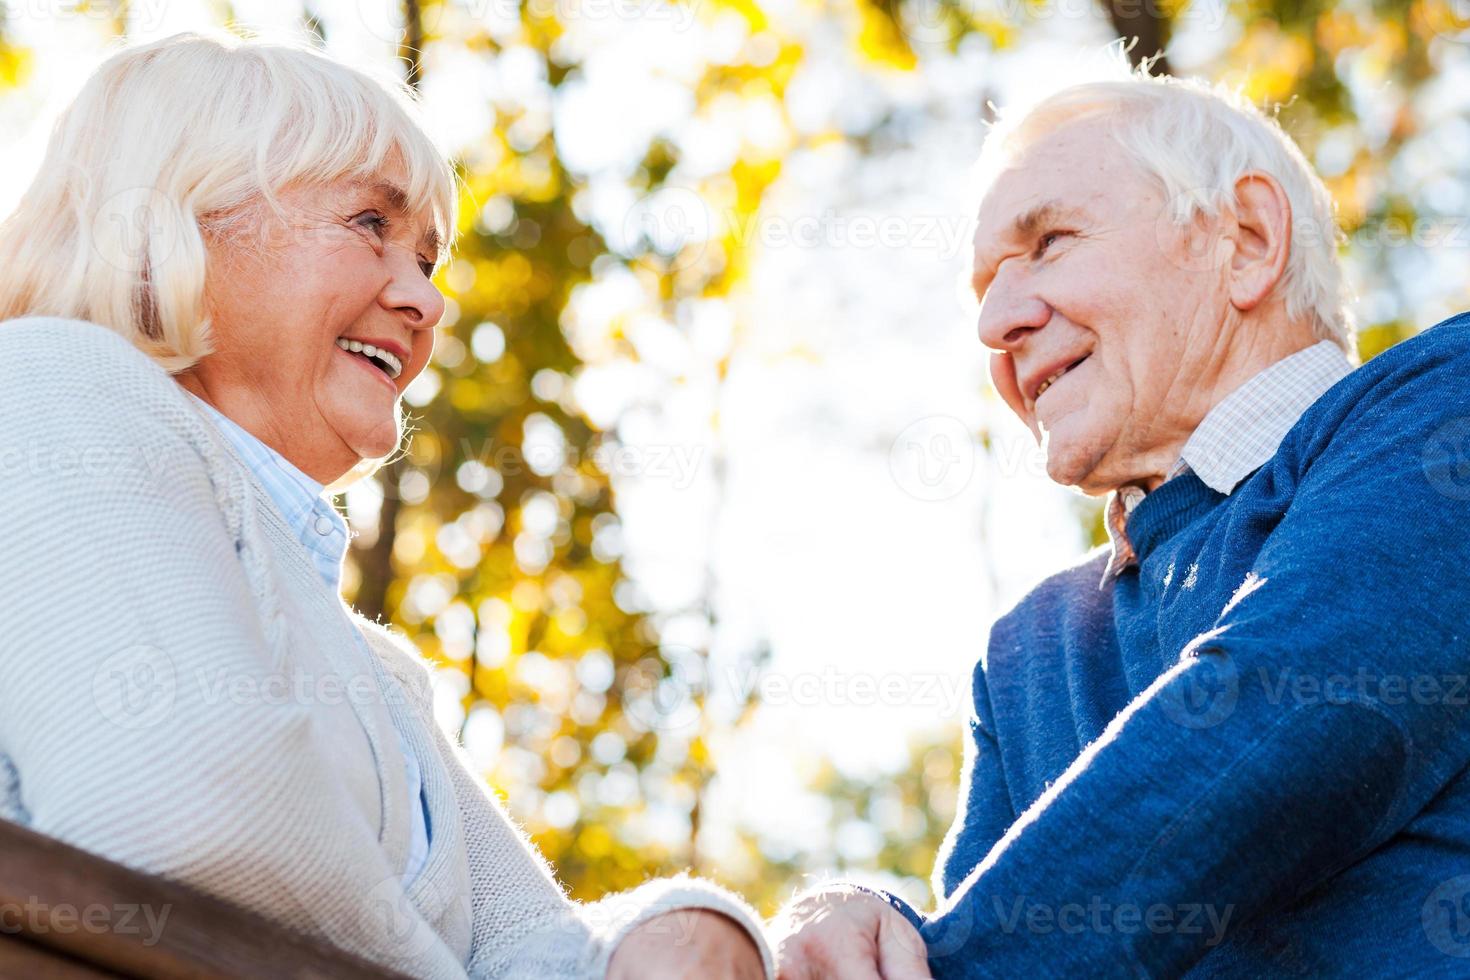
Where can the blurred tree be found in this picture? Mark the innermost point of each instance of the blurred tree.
(495, 541)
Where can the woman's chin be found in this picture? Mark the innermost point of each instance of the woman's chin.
(371, 440)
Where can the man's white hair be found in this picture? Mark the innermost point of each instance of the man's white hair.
(166, 142)
(1197, 140)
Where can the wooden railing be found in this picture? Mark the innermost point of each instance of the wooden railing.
(65, 913)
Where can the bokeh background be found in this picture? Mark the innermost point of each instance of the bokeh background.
(709, 504)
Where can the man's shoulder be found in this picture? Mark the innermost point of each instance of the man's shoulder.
(1407, 390)
(1413, 368)
(1064, 602)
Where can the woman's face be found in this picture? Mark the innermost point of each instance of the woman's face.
(345, 265)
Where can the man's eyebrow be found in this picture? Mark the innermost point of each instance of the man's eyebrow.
(397, 199)
(1025, 226)
(1033, 220)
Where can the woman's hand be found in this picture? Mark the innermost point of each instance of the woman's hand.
(687, 943)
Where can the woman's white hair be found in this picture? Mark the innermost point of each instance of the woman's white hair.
(1197, 140)
(163, 144)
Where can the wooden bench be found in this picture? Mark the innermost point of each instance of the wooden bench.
(65, 913)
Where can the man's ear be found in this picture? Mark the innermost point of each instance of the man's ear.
(1261, 234)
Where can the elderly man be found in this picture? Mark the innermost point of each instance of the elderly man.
(1234, 742)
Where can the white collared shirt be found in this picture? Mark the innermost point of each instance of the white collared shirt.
(1239, 434)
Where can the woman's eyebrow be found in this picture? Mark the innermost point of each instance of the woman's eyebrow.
(397, 199)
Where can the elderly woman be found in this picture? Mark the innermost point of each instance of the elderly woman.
(216, 292)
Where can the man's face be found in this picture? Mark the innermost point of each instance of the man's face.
(1079, 271)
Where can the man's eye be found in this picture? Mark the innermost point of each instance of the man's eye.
(1047, 241)
(427, 268)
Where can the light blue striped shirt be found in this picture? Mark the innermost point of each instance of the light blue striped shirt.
(323, 533)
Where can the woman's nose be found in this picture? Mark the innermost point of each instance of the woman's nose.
(412, 294)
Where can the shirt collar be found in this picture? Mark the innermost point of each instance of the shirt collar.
(1238, 435)
(311, 517)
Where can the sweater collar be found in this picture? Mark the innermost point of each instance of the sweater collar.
(1235, 438)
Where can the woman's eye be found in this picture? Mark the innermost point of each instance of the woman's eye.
(373, 221)
(427, 268)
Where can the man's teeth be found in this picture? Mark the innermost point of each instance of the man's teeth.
(1052, 380)
(1048, 382)
(387, 360)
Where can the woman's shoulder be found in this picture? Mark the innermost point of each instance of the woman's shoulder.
(398, 654)
(84, 405)
(52, 353)
(59, 375)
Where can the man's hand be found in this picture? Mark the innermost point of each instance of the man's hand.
(687, 943)
(842, 934)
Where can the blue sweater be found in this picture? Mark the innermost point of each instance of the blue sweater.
(1247, 755)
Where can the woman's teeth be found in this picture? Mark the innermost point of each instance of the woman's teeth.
(385, 360)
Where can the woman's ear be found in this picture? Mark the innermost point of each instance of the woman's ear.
(1261, 236)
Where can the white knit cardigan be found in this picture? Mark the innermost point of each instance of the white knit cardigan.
(179, 693)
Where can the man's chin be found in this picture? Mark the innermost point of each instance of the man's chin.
(1071, 465)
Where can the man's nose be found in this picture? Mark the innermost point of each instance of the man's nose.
(1011, 310)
